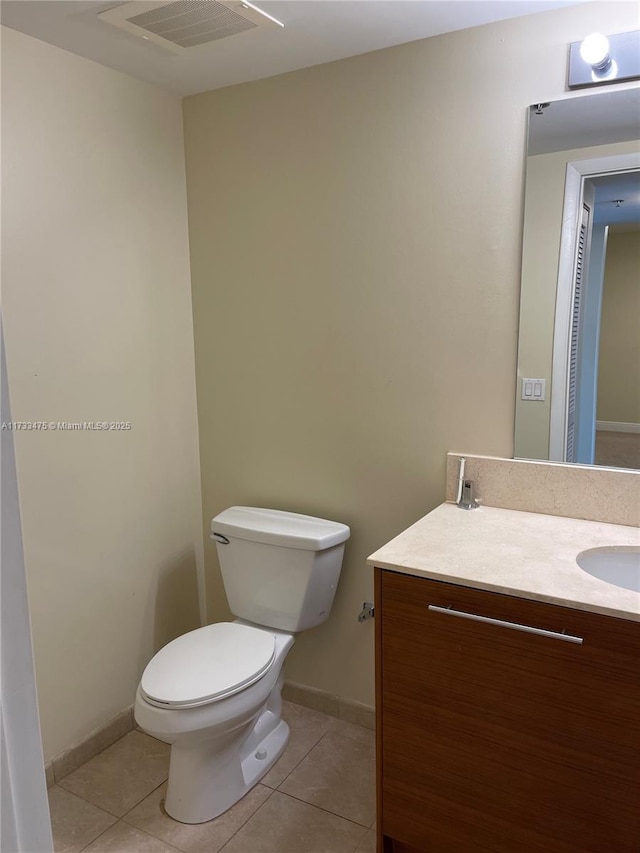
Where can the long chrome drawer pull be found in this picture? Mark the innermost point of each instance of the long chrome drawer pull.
(557, 635)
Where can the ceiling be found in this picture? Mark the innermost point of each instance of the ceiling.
(581, 122)
(315, 31)
(617, 199)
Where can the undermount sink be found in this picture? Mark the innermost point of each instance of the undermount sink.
(618, 565)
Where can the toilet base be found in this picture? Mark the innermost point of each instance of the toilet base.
(205, 783)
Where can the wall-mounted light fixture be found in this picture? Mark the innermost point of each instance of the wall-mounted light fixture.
(600, 59)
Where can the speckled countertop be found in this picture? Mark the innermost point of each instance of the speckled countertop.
(524, 554)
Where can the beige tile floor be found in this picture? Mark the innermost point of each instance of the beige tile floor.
(318, 798)
(618, 449)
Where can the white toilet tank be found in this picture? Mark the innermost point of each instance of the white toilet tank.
(279, 569)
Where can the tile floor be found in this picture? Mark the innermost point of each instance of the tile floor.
(318, 798)
(618, 449)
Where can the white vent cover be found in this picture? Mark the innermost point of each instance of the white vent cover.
(182, 24)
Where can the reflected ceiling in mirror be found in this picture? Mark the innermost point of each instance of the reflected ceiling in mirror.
(578, 391)
(579, 123)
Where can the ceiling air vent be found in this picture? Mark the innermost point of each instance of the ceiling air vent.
(183, 24)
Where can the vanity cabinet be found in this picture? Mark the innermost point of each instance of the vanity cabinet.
(499, 739)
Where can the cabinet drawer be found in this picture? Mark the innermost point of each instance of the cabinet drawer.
(518, 732)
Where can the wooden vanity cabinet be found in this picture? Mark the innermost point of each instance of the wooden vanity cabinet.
(501, 740)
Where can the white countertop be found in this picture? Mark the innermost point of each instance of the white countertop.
(516, 553)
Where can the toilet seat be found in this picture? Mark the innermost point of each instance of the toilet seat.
(207, 664)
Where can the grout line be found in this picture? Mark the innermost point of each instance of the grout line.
(129, 826)
(252, 815)
(362, 838)
(105, 809)
(326, 811)
(91, 803)
(83, 800)
(331, 731)
(365, 829)
(271, 791)
(99, 835)
(303, 758)
(135, 806)
(148, 834)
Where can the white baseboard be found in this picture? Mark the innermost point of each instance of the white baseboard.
(615, 426)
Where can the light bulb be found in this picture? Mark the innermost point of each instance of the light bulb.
(594, 50)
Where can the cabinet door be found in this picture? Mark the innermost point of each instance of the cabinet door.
(501, 740)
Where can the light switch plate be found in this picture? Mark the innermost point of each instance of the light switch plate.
(534, 390)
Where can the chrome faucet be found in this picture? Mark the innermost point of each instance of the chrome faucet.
(464, 497)
(467, 500)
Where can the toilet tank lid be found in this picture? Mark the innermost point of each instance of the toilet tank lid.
(277, 527)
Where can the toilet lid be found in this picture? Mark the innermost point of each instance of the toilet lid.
(207, 664)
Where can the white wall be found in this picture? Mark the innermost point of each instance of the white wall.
(355, 246)
(619, 374)
(98, 324)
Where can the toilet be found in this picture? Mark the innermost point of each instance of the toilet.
(214, 693)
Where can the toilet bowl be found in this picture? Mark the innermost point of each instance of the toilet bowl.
(221, 748)
(214, 693)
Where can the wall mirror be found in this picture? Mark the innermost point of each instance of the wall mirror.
(578, 380)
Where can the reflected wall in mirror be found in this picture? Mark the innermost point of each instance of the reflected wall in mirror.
(580, 297)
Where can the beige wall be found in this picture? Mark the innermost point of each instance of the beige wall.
(619, 361)
(97, 315)
(355, 236)
(544, 203)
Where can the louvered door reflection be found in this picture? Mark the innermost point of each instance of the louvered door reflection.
(575, 336)
(575, 344)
